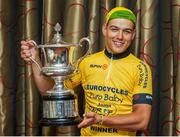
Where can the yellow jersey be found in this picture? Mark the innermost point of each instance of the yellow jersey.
(112, 84)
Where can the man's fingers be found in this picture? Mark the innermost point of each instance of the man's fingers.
(89, 119)
(28, 49)
(27, 59)
(82, 124)
(86, 122)
(32, 42)
(27, 52)
(24, 47)
(28, 43)
(90, 115)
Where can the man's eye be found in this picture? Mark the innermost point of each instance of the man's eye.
(127, 31)
(114, 29)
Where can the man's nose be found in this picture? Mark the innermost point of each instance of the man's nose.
(120, 34)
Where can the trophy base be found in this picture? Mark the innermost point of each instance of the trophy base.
(60, 121)
(59, 109)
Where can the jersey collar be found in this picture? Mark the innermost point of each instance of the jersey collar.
(116, 56)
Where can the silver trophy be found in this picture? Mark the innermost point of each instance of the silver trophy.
(60, 104)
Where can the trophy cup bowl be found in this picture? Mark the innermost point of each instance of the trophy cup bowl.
(60, 104)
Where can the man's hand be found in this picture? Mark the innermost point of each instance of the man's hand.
(89, 119)
(29, 49)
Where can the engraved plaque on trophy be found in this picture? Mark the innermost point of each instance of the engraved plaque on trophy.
(60, 104)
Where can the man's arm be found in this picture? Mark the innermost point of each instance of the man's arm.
(137, 120)
(43, 83)
(28, 49)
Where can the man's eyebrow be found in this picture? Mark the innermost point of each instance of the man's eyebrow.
(112, 26)
(128, 29)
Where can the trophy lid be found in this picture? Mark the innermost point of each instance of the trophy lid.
(57, 40)
(57, 37)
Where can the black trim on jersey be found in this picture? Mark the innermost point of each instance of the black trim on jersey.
(142, 98)
(116, 56)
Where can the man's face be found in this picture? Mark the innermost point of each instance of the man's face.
(119, 34)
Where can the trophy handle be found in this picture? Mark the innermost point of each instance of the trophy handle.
(87, 52)
(37, 64)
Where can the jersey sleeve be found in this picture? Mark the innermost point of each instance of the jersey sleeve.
(73, 81)
(76, 78)
(142, 93)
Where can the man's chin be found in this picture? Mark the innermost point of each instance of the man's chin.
(119, 51)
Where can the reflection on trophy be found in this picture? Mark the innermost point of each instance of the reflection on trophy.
(60, 104)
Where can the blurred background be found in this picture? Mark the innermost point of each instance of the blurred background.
(157, 42)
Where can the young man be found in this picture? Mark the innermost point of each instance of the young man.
(117, 85)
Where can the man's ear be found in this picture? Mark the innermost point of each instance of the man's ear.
(104, 29)
(134, 34)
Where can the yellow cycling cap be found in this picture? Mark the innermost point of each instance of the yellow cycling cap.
(120, 12)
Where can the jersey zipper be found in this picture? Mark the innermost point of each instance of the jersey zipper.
(110, 68)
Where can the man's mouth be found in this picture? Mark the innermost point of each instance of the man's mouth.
(119, 44)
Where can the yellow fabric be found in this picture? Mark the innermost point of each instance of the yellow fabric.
(109, 86)
(115, 10)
